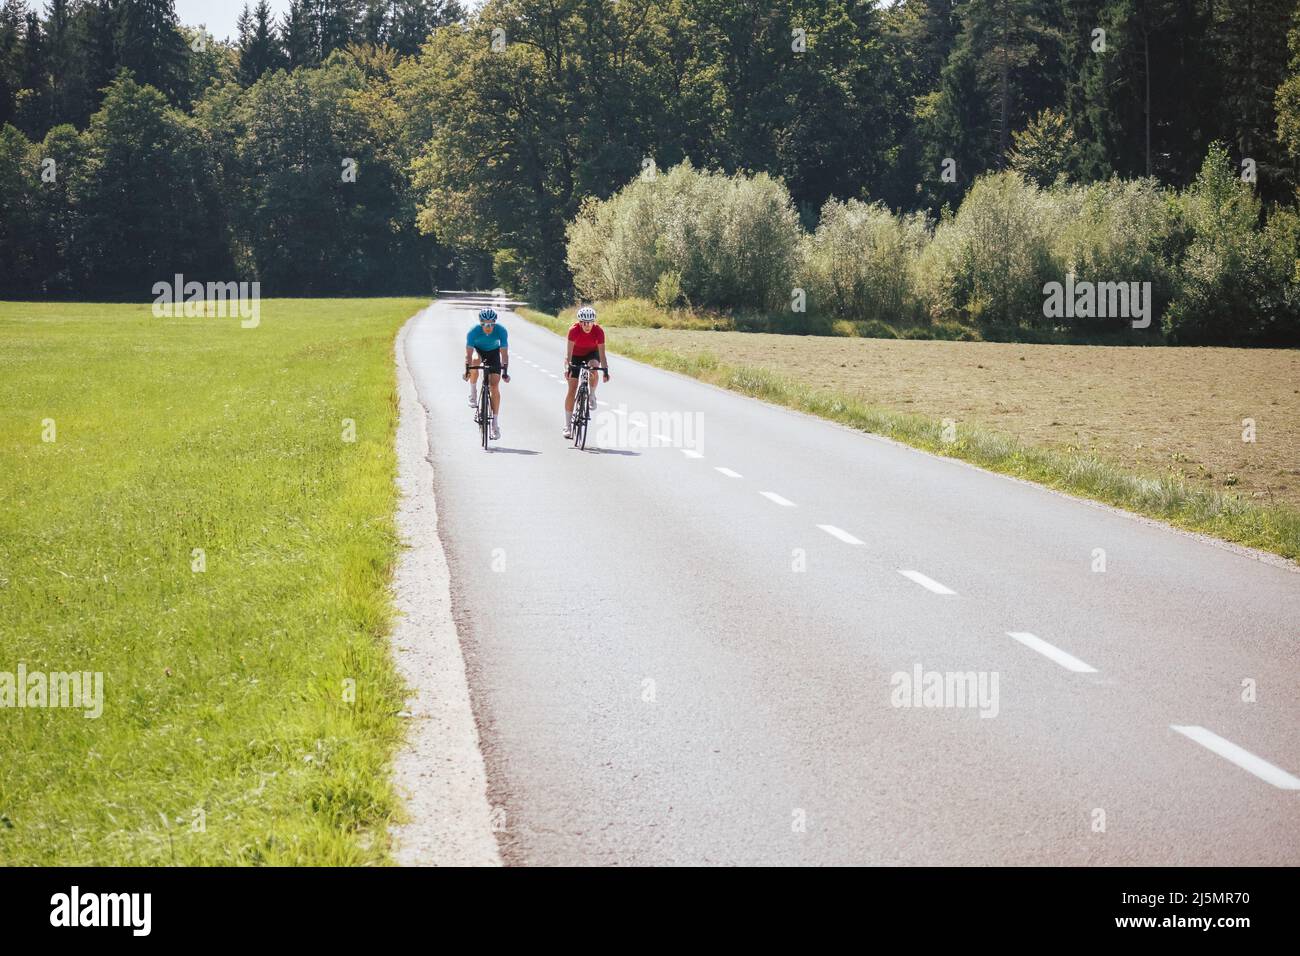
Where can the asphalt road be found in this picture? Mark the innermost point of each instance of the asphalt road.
(693, 651)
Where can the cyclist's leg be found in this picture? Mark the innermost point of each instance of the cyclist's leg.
(592, 379)
(573, 391)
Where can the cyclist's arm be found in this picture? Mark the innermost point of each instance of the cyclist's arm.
(604, 362)
(469, 355)
(505, 361)
(568, 356)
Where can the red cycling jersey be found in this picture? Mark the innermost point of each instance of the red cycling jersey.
(586, 342)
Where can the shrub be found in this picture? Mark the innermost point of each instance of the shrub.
(668, 290)
(730, 241)
(1227, 282)
(989, 262)
(859, 264)
(1120, 231)
(875, 329)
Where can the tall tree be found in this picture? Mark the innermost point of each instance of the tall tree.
(13, 20)
(32, 104)
(299, 35)
(373, 27)
(95, 39)
(67, 73)
(259, 50)
(150, 45)
(1251, 65)
(1016, 46)
(143, 173)
(338, 23)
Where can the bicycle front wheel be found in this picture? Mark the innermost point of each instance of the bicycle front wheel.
(580, 420)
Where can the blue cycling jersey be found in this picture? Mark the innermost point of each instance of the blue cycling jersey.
(485, 341)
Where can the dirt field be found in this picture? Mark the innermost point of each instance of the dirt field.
(1152, 409)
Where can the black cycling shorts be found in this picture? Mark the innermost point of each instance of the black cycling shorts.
(578, 361)
(491, 359)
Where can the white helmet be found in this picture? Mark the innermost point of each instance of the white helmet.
(586, 314)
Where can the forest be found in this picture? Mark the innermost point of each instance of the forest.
(923, 162)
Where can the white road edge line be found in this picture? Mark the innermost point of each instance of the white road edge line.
(691, 453)
(840, 533)
(774, 497)
(663, 438)
(930, 584)
(1068, 661)
(729, 473)
(1242, 758)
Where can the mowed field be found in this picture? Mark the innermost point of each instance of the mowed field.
(203, 514)
(1160, 410)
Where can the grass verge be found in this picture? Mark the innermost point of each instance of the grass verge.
(1270, 527)
(204, 514)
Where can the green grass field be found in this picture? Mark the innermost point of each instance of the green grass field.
(227, 735)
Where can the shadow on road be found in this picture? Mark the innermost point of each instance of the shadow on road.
(612, 451)
(497, 449)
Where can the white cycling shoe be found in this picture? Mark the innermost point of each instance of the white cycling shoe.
(496, 430)
(473, 397)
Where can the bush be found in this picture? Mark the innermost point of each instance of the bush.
(1228, 284)
(1120, 231)
(952, 332)
(668, 290)
(875, 329)
(989, 263)
(730, 241)
(859, 263)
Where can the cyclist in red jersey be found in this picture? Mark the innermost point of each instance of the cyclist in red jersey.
(586, 346)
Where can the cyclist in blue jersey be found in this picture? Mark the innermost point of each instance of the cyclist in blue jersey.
(490, 341)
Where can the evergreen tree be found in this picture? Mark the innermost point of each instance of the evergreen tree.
(259, 50)
(374, 26)
(13, 19)
(32, 104)
(299, 36)
(150, 45)
(1250, 43)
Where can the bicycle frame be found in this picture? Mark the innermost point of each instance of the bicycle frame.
(581, 405)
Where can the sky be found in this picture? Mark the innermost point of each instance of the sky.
(219, 16)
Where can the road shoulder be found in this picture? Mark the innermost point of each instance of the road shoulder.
(439, 770)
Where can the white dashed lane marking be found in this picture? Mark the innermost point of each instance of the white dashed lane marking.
(1242, 758)
(840, 533)
(729, 473)
(930, 584)
(774, 497)
(691, 453)
(1068, 661)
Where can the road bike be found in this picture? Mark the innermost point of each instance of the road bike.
(582, 406)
